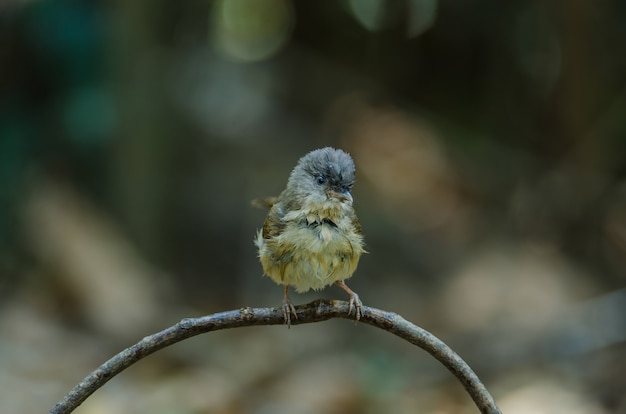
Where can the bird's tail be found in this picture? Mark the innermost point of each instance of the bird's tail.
(266, 202)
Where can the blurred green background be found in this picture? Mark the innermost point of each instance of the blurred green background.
(490, 145)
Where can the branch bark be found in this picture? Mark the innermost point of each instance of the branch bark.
(316, 311)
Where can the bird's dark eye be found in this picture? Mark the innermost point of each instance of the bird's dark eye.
(320, 180)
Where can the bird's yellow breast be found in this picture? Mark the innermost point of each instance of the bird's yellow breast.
(312, 251)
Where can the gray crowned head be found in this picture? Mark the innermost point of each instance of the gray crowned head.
(324, 174)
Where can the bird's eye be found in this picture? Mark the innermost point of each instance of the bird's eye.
(320, 180)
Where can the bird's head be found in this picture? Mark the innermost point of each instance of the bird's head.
(322, 176)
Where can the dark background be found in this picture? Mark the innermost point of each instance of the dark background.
(490, 145)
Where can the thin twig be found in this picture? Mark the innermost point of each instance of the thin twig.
(316, 311)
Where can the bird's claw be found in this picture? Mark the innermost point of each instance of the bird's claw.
(288, 310)
(356, 304)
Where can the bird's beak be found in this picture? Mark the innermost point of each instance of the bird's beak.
(342, 195)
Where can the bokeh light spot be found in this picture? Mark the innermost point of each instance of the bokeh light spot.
(251, 30)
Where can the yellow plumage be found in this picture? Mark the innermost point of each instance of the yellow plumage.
(310, 253)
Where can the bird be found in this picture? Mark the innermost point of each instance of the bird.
(311, 237)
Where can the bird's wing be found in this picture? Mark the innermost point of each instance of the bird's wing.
(274, 223)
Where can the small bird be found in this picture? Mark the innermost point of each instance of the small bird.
(311, 237)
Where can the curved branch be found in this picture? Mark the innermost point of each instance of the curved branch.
(316, 311)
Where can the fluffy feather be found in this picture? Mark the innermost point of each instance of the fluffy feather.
(311, 237)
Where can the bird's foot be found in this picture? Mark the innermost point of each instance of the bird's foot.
(354, 303)
(288, 309)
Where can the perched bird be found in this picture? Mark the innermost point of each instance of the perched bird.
(311, 237)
